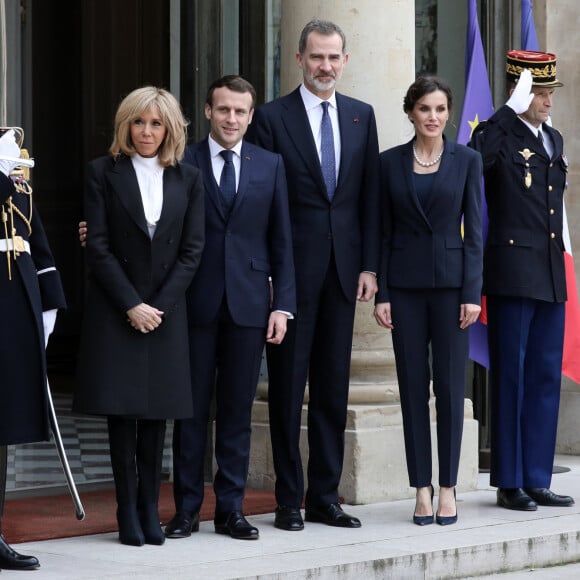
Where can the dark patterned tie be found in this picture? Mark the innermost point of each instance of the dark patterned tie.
(328, 161)
(541, 140)
(228, 179)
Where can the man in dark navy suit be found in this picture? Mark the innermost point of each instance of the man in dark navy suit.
(241, 297)
(525, 173)
(330, 150)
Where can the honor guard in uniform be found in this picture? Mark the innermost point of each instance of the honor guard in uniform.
(525, 175)
(30, 294)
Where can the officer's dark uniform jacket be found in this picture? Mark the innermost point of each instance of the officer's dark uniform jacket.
(29, 285)
(524, 192)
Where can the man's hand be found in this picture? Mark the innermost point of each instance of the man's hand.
(468, 314)
(144, 317)
(383, 315)
(522, 95)
(276, 327)
(367, 286)
(83, 229)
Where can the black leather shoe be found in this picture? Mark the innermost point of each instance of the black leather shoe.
(331, 515)
(182, 525)
(515, 499)
(235, 525)
(544, 496)
(12, 560)
(288, 518)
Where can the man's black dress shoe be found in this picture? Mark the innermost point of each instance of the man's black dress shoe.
(331, 515)
(182, 525)
(235, 525)
(12, 560)
(288, 518)
(515, 499)
(545, 496)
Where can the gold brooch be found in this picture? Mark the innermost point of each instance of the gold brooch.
(526, 153)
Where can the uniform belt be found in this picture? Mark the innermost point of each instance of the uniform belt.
(21, 245)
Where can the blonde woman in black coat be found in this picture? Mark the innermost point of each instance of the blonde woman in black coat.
(143, 248)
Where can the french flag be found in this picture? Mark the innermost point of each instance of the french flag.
(571, 354)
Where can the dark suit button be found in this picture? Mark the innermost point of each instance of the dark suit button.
(170, 241)
(329, 235)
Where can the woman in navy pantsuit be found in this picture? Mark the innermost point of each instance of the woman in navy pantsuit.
(430, 285)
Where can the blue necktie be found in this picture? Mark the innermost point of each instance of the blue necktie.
(328, 161)
(228, 179)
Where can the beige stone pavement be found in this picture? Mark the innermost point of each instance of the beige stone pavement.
(486, 540)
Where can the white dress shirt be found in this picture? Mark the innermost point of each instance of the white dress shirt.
(150, 179)
(314, 112)
(217, 161)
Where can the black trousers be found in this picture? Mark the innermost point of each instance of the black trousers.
(136, 447)
(423, 318)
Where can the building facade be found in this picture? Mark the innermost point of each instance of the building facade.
(65, 65)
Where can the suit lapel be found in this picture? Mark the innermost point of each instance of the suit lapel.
(407, 164)
(172, 179)
(297, 125)
(203, 162)
(245, 169)
(124, 181)
(349, 136)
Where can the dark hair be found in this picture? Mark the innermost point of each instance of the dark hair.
(423, 86)
(324, 27)
(234, 83)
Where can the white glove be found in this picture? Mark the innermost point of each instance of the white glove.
(48, 321)
(522, 95)
(9, 152)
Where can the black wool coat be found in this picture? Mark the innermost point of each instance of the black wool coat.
(122, 371)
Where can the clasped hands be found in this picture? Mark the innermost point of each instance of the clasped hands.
(144, 317)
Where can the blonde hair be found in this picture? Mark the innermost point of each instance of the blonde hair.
(133, 106)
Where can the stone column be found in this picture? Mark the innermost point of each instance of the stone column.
(557, 33)
(380, 41)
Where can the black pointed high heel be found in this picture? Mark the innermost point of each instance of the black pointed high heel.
(448, 520)
(425, 520)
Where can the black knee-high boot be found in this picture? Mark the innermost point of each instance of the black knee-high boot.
(122, 445)
(10, 559)
(150, 439)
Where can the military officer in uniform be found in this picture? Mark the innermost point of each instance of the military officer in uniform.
(30, 294)
(525, 177)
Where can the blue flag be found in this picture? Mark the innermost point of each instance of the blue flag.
(529, 38)
(477, 106)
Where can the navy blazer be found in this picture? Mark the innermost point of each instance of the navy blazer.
(439, 245)
(350, 225)
(243, 249)
(524, 253)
